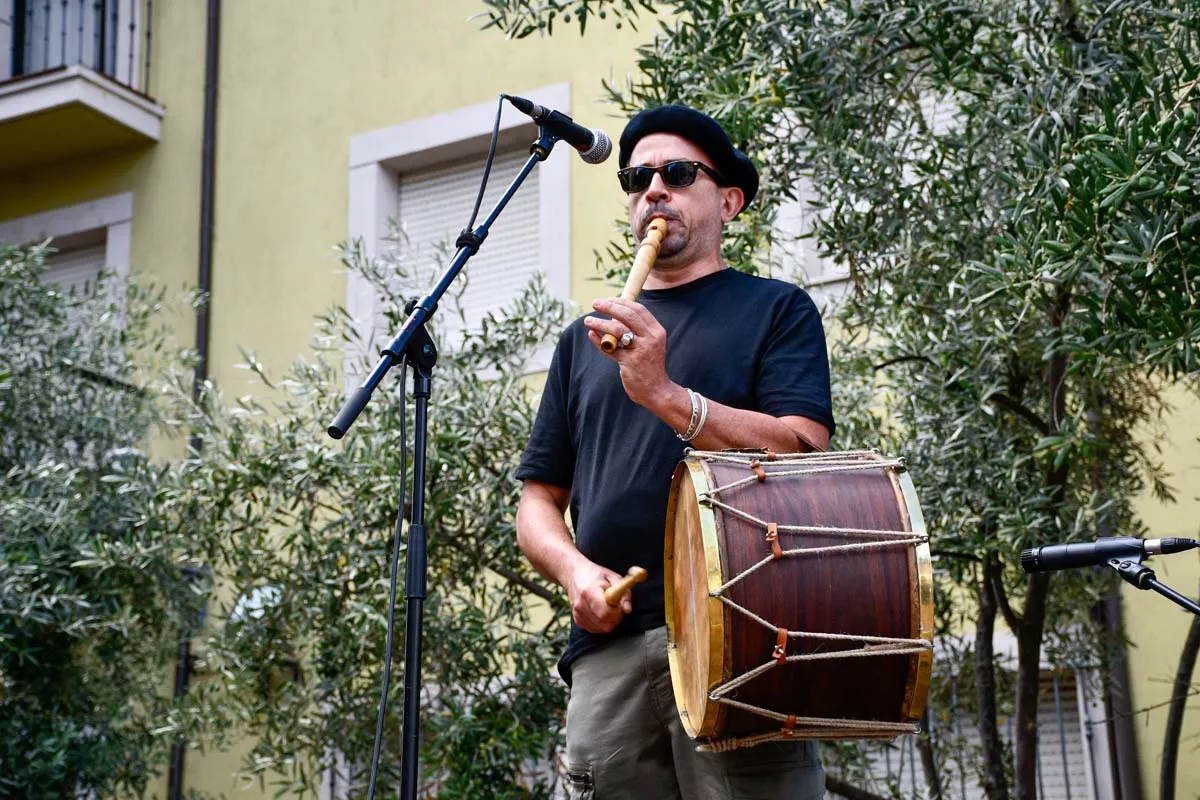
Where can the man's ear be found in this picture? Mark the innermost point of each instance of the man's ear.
(732, 199)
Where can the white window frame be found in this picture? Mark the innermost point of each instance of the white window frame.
(113, 215)
(379, 157)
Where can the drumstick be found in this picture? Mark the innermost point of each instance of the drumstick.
(614, 593)
(643, 262)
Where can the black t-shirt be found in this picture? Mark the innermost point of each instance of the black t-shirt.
(746, 342)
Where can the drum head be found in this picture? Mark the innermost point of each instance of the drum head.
(696, 622)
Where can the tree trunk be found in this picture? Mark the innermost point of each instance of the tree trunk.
(995, 784)
(1029, 652)
(1126, 767)
(928, 762)
(1037, 586)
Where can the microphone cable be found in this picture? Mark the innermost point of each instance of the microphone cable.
(487, 165)
(391, 614)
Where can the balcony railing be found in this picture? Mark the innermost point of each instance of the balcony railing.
(110, 37)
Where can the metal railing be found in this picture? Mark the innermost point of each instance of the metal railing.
(111, 37)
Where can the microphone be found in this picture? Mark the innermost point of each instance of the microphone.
(593, 144)
(1086, 554)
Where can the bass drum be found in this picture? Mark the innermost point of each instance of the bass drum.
(799, 597)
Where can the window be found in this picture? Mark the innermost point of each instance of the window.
(433, 207)
(88, 237)
(425, 173)
(798, 259)
(75, 266)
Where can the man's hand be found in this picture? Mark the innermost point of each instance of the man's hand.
(644, 362)
(585, 589)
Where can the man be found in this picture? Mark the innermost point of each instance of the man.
(711, 357)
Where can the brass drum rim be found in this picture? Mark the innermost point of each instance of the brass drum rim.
(718, 654)
(916, 693)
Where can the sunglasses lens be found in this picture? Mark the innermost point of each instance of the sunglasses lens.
(635, 179)
(679, 174)
(676, 174)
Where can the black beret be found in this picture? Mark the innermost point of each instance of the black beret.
(703, 131)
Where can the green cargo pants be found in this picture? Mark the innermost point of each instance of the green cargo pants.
(625, 740)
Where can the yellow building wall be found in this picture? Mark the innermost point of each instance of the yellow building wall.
(1156, 625)
(297, 82)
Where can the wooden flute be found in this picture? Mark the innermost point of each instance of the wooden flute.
(643, 262)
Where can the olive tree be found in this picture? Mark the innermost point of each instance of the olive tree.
(1014, 191)
(93, 596)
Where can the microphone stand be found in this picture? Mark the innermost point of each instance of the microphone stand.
(415, 343)
(1135, 573)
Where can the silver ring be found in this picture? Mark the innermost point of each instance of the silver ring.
(626, 339)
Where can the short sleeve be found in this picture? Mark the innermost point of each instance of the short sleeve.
(793, 372)
(550, 454)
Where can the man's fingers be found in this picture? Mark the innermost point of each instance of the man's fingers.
(602, 619)
(603, 326)
(629, 313)
(620, 314)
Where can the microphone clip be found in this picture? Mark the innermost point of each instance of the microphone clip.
(1136, 574)
(1132, 570)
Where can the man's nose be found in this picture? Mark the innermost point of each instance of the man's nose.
(658, 189)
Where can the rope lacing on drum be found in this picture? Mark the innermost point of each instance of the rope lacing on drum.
(870, 645)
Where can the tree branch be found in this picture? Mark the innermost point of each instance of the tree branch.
(994, 575)
(512, 576)
(104, 380)
(995, 781)
(549, 596)
(1006, 402)
(900, 360)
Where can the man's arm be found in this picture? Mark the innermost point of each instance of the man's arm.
(543, 536)
(644, 375)
(727, 427)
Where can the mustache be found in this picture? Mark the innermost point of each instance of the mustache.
(658, 210)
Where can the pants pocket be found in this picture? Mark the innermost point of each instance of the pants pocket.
(580, 785)
(777, 770)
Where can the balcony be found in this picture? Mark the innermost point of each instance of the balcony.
(75, 81)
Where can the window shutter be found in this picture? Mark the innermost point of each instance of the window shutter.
(76, 271)
(940, 112)
(800, 257)
(799, 260)
(434, 207)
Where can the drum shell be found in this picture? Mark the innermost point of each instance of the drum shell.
(883, 592)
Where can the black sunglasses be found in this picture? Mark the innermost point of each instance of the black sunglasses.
(676, 174)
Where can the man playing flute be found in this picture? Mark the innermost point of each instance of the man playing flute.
(710, 358)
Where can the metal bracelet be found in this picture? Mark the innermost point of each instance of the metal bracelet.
(690, 433)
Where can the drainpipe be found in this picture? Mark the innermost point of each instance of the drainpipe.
(183, 666)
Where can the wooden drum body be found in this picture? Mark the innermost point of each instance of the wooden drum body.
(799, 597)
